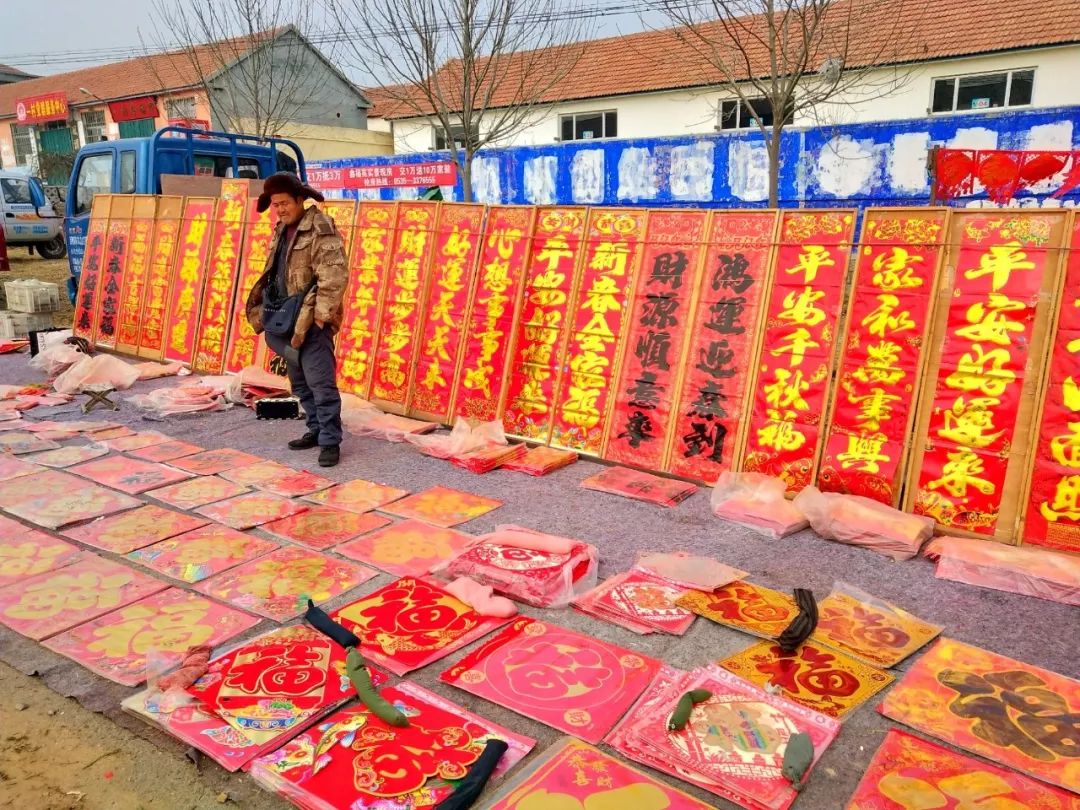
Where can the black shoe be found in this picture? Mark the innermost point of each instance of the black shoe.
(329, 456)
(305, 442)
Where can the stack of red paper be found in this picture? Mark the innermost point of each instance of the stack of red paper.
(640, 486)
(734, 743)
(541, 461)
(488, 458)
(638, 600)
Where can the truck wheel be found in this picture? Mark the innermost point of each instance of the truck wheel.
(53, 249)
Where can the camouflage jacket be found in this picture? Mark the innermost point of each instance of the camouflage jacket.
(316, 252)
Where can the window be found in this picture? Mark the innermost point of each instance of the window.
(180, 107)
(93, 122)
(589, 125)
(16, 192)
(457, 135)
(736, 114)
(127, 172)
(95, 177)
(23, 141)
(982, 91)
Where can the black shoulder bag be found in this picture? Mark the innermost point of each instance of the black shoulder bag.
(279, 316)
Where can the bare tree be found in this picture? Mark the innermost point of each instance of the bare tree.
(477, 71)
(806, 57)
(249, 57)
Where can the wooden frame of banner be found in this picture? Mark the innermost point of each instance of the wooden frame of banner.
(467, 312)
(1013, 490)
(169, 207)
(926, 337)
(1071, 223)
(121, 207)
(144, 208)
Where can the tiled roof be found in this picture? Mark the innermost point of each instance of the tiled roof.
(662, 60)
(14, 71)
(146, 75)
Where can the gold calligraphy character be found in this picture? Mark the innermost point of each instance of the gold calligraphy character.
(787, 390)
(811, 260)
(999, 263)
(801, 309)
(963, 469)
(979, 370)
(796, 342)
(885, 320)
(1066, 502)
(864, 453)
(893, 270)
(1066, 448)
(970, 422)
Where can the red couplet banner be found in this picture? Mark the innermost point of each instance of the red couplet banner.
(135, 275)
(243, 347)
(712, 397)
(90, 274)
(884, 355)
(189, 275)
(793, 375)
(159, 277)
(112, 275)
(343, 212)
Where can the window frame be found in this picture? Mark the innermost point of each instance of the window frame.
(439, 134)
(21, 133)
(748, 123)
(957, 77)
(80, 187)
(128, 170)
(170, 108)
(602, 114)
(99, 129)
(5, 187)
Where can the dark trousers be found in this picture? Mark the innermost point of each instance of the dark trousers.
(313, 377)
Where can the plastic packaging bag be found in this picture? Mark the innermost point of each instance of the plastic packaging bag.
(860, 521)
(101, 369)
(362, 418)
(207, 394)
(56, 359)
(756, 501)
(690, 570)
(465, 437)
(1034, 572)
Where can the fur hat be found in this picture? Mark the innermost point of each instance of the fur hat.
(285, 183)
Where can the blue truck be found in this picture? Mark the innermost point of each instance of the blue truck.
(135, 166)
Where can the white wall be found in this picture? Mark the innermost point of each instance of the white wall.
(653, 115)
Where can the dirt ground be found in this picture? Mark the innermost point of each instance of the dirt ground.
(24, 265)
(56, 755)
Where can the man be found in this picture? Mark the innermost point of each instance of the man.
(306, 254)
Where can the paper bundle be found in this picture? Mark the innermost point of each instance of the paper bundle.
(541, 461)
(640, 486)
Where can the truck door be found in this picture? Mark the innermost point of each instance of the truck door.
(93, 175)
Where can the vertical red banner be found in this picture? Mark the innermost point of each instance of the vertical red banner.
(493, 312)
(795, 360)
(220, 284)
(243, 350)
(1053, 510)
(884, 353)
(598, 314)
(656, 338)
(90, 274)
(112, 273)
(403, 304)
(458, 238)
(343, 212)
(189, 274)
(136, 271)
(724, 328)
(159, 278)
(542, 330)
(1003, 260)
(372, 241)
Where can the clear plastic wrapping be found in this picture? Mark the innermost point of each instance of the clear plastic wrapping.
(860, 521)
(1034, 572)
(757, 502)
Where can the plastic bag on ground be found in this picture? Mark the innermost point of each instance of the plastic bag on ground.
(757, 502)
(690, 570)
(254, 382)
(464, 438)
(362, 418)
(1036, 572)
(55, 360)
(207, 394)
(153, 371)
(860, 521)
(101, 369)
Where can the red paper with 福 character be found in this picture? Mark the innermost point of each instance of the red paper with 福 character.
(189, 277)
(884, 353)
(220, 285)
(790, 385)
(597, 319)
(712, 400)
(457, 245)
(489, 329)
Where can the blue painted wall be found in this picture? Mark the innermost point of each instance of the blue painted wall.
(845, 165)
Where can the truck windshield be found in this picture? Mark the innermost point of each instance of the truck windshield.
(95, 177)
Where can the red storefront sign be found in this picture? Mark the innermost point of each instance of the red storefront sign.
(133, 109)
(40, 109)
(402, 175)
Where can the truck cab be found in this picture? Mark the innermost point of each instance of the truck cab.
(135, 166)
(27, 216)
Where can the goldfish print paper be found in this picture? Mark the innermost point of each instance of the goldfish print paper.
(910, 773)
(744, 606)
(813, 675)
(571, 682)
(129, 475)
(211, 462)
(67, 456)
(116, 645)
(269, 476)
(197, 492)
(442, 506)
(64, 507)
(410, 623)
(879, 634)
(50, 603)
(27, 552)
(250, 510)
(1012, 713)
(134, 529)
(407, 549)
(165, 451)
(321, 527)
(199, 554)
(357, 496)
(279, 585)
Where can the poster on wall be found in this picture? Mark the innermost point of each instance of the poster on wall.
(136, 271)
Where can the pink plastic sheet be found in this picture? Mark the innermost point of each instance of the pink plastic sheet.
(757, 502)
(860, 521)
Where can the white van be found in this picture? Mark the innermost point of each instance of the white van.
(28, 217)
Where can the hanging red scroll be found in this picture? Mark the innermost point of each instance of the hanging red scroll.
(977, 408)
(542, 330)
(90, 275)
(244, 344)
(1053, 509)
(372, 241)
(403, 303)
(136, 270)
(656, 337)
(189, 276)
(795, 357)
(493, 312)
(112, 272)
(159, 277)
(712, 398)
(458, 237)
(597, 320)
(220, 289)
(343, 212)
(884, 353)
